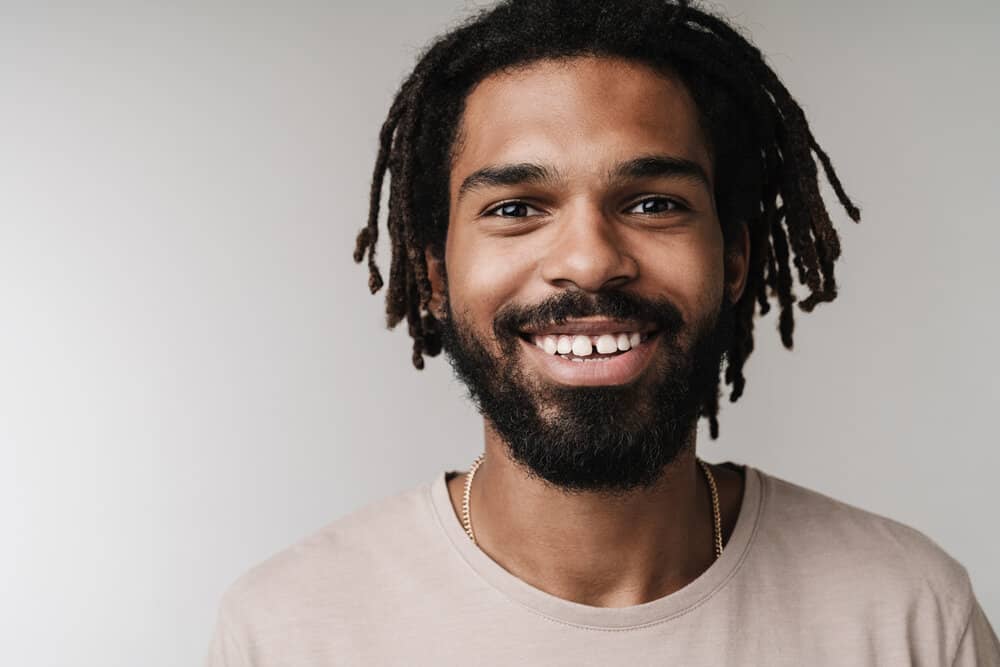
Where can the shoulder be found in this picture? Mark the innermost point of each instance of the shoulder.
(845, 552)
(328, 572)
(851, 532)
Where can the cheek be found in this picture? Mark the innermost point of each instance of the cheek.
(689, 268)
(483, 275)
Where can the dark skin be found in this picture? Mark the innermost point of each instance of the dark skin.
(588, 227)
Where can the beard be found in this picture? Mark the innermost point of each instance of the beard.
(610, 439)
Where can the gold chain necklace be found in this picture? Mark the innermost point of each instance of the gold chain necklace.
(716, 513)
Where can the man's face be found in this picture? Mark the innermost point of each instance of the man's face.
(587, 283)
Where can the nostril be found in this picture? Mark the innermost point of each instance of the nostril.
(617, 281)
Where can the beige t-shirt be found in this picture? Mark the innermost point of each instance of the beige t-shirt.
(803, 580)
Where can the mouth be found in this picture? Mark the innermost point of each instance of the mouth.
(582, 347)
(591, 353)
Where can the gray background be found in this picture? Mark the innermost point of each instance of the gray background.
(193, 374)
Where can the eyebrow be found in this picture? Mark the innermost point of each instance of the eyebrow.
(651, 166)
(523, 173)
(527, 173)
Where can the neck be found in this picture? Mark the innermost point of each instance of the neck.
(592, 547)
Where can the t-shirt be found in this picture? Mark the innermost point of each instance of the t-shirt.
(803, 580)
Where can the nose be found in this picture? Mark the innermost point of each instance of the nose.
(588, 253)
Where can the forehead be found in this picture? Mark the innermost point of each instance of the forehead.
(579, 114)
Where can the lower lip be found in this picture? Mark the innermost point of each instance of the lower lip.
(617, 370)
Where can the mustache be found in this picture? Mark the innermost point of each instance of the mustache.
(556, 309)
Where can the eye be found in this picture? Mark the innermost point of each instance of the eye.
(511, 209)
(657, 205)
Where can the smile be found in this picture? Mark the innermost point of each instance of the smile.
(589, 348)
(591, 353)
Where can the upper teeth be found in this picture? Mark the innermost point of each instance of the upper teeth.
(583, 346)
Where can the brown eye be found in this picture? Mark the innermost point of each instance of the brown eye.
(657, 205)
(511, 209)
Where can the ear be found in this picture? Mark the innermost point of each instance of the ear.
(435, 273)
(737, 262)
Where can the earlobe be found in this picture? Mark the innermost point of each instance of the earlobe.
(435, 273)
(738, 263)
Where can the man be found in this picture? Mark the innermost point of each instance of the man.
(589, 203)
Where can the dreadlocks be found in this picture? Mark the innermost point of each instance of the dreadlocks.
(761, 145)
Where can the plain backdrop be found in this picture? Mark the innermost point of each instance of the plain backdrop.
(193, 374)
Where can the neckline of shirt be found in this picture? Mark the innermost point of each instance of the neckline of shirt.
(633, 617)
